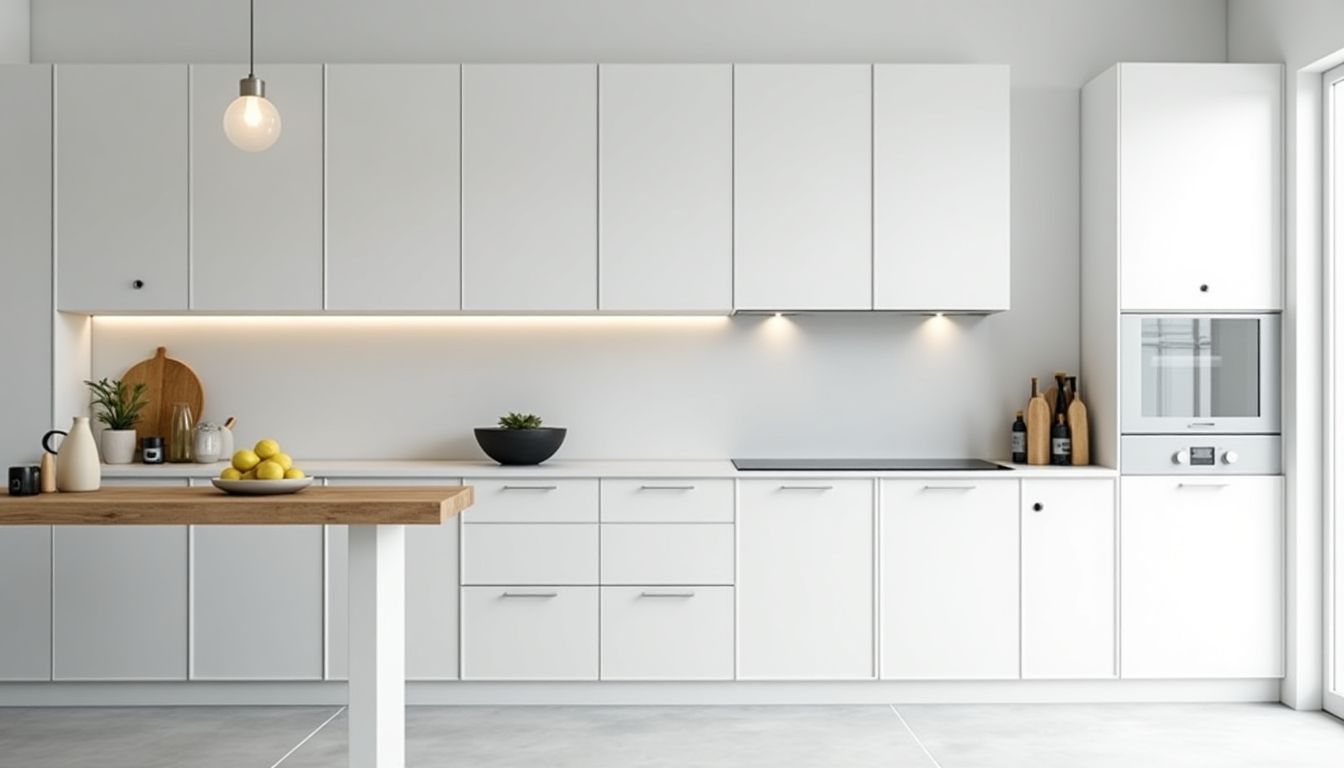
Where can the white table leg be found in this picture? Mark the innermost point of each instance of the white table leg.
(377, 647)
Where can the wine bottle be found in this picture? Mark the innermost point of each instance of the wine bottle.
(1019, 440)
(1061, 404)
(1061, 447)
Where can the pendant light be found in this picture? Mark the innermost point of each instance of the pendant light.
(251, 122)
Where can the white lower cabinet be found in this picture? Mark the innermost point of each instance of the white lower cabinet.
(1068, 579)
(805, 579)
(667, 633)
(529, 553)
(1201, 570)
(25, 603)
(256, 602)
(431, 592)
(949, 579)
(530, 633)
(667, 554)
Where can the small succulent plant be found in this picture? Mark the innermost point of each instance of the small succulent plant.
(513, 420)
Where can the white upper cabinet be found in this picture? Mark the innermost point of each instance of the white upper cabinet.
(941, 187)
(949, 579)
(666, 189)
(805, 580)
(529, 187)
(393, 192)
(803, 187)
(121, 187)
(256, 235)
(1068, 579)
(1200, 189)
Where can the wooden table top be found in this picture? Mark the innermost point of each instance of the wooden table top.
(318, 505)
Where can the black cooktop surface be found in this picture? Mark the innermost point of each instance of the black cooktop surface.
(866, 465)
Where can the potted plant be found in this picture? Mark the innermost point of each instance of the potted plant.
(118, 407)
(520, 439)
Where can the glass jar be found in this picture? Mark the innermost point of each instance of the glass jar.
(209, 444)
(181, 434)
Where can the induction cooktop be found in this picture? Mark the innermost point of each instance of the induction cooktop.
(867, 465)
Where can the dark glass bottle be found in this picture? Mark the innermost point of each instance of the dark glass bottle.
(1061, 446)
(1061, 392)
(1019, 440)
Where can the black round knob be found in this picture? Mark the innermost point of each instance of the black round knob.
(137, 284)
(1037, 507)
(1204, 288)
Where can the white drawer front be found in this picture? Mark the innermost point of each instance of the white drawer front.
(529, 633)
(532, 501)
(533, 553)
(653, 500)
(667, 554)
(667, 633)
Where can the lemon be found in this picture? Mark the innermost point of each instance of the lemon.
(269, 470)
(244, 460)
(294, 473)
(283, 460)
(230, 473)
(267, 448)
(250, 474)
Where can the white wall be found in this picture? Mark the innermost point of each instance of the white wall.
(862, 385)
(14, 31)
(1308, 35)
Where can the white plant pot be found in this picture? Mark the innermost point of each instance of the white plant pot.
(118, 446)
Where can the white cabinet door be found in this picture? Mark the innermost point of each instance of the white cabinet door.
(530, 553)
(803, 186)
(256, 602)
(393, 183)
(431, 592)
(805, 580)
(1201, 577)
(256, 236)
(1068, 579)
(121, 187)
(25, 600)
(529, 633)
(949, 579)
(1201, 150)
(666, 190)
(119, 602)
(667, 633)
(529, 187)
(940, 187)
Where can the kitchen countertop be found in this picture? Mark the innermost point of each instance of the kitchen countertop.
(482, 470)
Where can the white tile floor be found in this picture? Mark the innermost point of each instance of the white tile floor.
(905, 736)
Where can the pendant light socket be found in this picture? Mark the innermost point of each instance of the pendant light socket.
(252, 86)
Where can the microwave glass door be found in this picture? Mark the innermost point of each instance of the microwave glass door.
(1200, 368)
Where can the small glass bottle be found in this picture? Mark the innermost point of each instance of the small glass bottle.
(209, 444)
(181, 434)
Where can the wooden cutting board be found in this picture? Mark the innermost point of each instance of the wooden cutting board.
(1077, 420)
(1038, 427)
(167, 381)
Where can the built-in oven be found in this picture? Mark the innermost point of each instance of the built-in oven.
(1187, 374)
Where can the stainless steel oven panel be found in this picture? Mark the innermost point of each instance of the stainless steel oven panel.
(1190, 454)
(1212, 374)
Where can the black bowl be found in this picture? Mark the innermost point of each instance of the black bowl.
(520, 446)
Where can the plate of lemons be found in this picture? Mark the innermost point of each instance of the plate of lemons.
(263, 470)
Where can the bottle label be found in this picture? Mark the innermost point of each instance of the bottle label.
(1019, 442)
(1061, 446)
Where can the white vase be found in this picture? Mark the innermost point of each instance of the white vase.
(118, 446)
(77, 469)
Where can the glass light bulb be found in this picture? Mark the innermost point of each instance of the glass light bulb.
(252, 123)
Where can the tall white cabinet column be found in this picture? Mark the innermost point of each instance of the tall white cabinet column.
(529, 187)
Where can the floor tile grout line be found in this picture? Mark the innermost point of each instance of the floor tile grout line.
(295, 748)
(910, 731)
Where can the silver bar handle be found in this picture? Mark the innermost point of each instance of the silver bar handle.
(530, 487)
(667, 487)
(1202, 424)
(667, 594)
(1214, 486)
(970, 487)
(806, 487)
(543, 595)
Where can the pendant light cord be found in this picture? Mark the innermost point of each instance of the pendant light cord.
(251, 37)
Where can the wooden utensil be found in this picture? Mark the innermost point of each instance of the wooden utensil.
(1077, 419)
(1038, 426)
(166, 381)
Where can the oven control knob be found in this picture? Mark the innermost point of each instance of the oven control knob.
(1180, 457)
(1230, 457)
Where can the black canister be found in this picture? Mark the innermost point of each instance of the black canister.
(25, 481)
(151, 450)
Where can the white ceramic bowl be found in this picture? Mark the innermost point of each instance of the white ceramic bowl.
(262, 487)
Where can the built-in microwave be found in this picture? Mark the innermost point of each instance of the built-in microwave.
(1199, 373)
